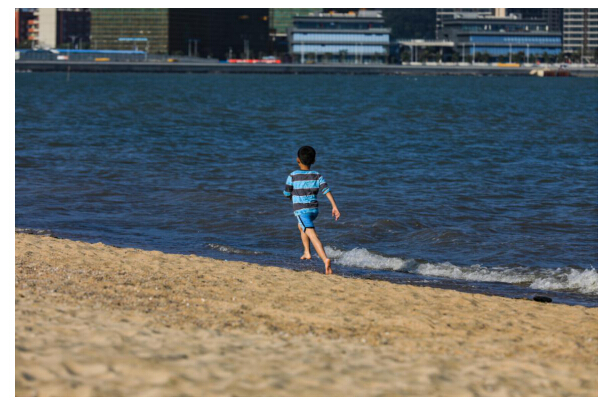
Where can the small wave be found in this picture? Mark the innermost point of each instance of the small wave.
(568, 279)
(361, 258)
(233, 250)
(561, 279)
(475, 273)
(33, 231)
(583, 280)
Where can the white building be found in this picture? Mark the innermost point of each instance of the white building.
(580, 30)
(47, 28)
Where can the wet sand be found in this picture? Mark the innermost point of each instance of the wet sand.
(95, 320)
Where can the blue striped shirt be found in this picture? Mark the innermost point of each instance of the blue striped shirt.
(303, 186)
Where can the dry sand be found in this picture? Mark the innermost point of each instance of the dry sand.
(91, 319)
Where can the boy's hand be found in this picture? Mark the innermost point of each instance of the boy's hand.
(336, 213)
(334, 209)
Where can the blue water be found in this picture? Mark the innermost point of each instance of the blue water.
(481, 184)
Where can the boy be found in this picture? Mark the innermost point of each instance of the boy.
(302, 187)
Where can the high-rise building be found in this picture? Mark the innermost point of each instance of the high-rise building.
(217, 33)
(25, 25)
(56, 27)
(553, 16)
(235, 32)
(580, 31)
(445, 14)
(47, 27)
(411, 23)
(499, 12)
(147, 27)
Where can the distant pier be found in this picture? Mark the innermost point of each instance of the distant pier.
(186, 67)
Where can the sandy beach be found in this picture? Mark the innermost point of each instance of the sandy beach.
(95, 320)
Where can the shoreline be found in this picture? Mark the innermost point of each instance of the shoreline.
(97, 320)
(230, 68)
(529, 295)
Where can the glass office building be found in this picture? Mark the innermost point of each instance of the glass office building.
(334, 37)
(109, 24)
(234, 33)
(216, 32)
(499, 36)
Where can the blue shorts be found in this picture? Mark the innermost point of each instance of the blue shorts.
(306, 220)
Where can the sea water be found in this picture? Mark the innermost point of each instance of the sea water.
(480, 184)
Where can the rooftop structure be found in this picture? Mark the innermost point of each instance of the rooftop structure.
(445, 14)
(280, 19)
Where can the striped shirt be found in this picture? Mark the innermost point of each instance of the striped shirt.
(303, 186)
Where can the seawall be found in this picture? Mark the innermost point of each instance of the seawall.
(178, 67)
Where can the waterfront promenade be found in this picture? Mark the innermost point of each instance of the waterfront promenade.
(181, 67)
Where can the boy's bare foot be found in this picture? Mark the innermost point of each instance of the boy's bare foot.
(306, 256)
(328, 267)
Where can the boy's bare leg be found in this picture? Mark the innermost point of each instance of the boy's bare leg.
(312, 235)
(306, 244)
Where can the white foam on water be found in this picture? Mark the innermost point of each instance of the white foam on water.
(583, 280)
(580, 280)
(33, 231)
(361, 258)
(232, 250)
(475, 273)
(568, 279)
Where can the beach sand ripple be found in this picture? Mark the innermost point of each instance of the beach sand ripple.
(95, 320)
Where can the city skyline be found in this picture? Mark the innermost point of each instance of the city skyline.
(225, 34)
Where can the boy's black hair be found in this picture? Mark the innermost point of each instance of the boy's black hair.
(307, 154)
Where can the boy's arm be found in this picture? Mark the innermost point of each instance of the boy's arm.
(324, 189)
(289, 187)
(334, 208)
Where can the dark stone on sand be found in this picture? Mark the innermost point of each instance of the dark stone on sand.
(28, 377)
(543, 299)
